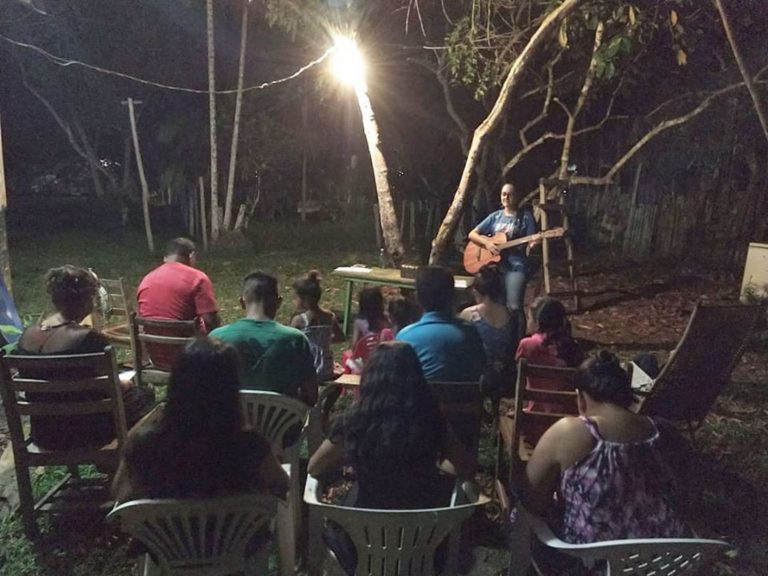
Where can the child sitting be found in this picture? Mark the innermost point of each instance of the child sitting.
(371, 317)
(319, 325)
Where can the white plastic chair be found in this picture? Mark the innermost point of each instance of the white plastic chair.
(206, 537)
(388, 542)
(275, 415)
(640, 557)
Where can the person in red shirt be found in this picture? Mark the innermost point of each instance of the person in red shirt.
(177, 290)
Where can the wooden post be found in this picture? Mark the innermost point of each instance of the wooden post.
(5, 258)
(212, 121)
(140, 165)
(544, 241)
(203, 220)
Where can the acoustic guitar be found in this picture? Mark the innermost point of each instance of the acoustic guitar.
(475, 257)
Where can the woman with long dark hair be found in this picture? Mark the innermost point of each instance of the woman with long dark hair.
(197, 446)
(394, 438)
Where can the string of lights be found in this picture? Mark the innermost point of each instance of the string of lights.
(64, 62)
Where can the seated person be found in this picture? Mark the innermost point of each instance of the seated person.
(371, 318)
(72, 292)
(273, 357)
(319, 325)
(550, 345)
(394, 437)
(498, 331)
(177, 290)
(402, 312)
(196, 447)
(449, 349)
(605, 467)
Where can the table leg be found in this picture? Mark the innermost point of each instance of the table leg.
(347, 308)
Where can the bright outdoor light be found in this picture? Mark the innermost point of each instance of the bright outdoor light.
(347, 63)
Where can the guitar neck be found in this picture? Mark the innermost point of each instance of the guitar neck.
(518, 241)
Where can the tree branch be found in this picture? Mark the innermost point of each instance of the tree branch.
(585, 88)
(761, 115)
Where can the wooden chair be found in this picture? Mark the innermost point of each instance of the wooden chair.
(72, 492)
(280, 419)
(638, 557)
(462, 407)
(700, 367)
(172, 335)
(206, 537)
(389, 542)
(116, 325)
(518, 447)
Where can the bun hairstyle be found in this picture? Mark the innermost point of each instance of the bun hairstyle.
(488, 283)
(308, 288)
(603, 378)
(70, 286)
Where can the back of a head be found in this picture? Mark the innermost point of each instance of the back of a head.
(550, 314)
(260, 287)
(397, 415)
(403, 312)
(370, 302)
(308, 288)
(488, 282)
(70, 287)
(603, 378)
(204, 390)
(180, 249)
(435, 288)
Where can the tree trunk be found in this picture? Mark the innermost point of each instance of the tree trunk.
(536, 44)
(5, 259)
(761, 114)
(387, 216)
(236, 128)
(304, 151)
(212, 118)
(142, 178)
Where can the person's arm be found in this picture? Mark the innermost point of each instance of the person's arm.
(356, 332)
(466, 314)
(274, 477)
(123, 488)
(456, 458)
(206, 307)
(539, 481)
(326, 459)
(337, 334)
(211, 321)
(297, 322)
(483, 241)
(308, 391)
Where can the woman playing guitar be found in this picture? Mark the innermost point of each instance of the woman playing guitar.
(515, 223)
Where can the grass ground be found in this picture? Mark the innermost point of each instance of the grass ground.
(728, 473)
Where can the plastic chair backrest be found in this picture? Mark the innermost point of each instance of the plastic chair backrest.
(365, 346)
(392, 542)
(640, 557)
(206, 537)
(275, 416)
(700, 366)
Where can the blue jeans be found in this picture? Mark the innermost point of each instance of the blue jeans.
(515, 280)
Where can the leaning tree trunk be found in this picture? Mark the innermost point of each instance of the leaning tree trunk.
(761, 114)
(142, 178)
(236, 128)
(387, 216)
(536, 44)
(212, 117)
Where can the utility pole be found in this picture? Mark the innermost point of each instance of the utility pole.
(5, 258)
(140, 165)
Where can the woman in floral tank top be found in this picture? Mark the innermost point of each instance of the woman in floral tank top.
(601, 476)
